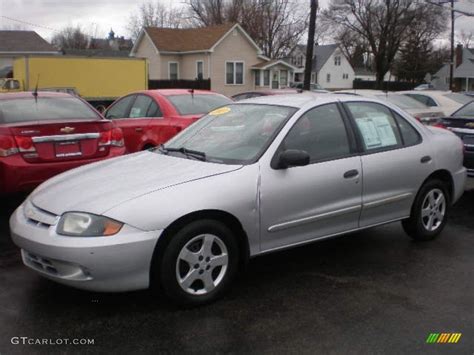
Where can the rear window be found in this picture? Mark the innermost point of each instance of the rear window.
(402, 101)
(43, 109)
(465, 111)
(462, 99)
(197, 104)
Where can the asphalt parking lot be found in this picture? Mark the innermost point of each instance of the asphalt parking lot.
(370, 292)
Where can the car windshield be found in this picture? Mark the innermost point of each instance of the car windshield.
(44, 108)
(465, 111)
(462, 99)
(197, 104)
(233, 134)
(402, 101)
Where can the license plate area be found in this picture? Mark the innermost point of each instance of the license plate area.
(67, 149)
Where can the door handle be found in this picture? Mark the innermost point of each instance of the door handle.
(351, 173)
(139, 129)
(425, 159)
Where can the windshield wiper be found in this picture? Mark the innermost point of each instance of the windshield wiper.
(187, 152)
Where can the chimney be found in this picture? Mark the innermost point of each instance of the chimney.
(458, 53)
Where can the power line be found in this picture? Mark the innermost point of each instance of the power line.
(28, 23)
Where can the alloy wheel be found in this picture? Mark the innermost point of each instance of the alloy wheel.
(433, 209)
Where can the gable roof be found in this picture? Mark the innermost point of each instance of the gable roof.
(271, 63)
(189, 40)
(24, 42)
(465, 70)
(322, 54)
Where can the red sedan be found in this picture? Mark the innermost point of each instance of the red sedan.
(149, 118)
(43, 134)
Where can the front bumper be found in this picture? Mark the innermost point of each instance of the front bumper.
(107, 264)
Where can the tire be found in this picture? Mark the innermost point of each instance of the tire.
(428, 214)
(199, 263)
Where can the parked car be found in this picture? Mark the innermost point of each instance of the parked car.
(247, 179)
(312, 87)
(149, 118)
(445, 101)
(269, 92)
(461, 123)
(424, 87)
(418, 110)
(43, 134)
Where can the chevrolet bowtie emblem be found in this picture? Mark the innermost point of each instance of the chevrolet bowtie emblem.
(67, 129)
(470, 124)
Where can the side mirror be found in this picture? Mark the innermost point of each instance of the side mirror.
(292, 157)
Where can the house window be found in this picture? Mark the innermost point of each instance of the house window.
(199, 69)
(283, 78)
(266, 78)
(337, 60)
(345, 76)
(234, 73)
(328, 78)
(257, 77)
(173, 70)
(313, 78)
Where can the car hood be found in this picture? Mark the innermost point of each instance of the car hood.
(98, 187)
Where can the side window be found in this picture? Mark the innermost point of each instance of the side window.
(428, 101)
(409, 134)
(140, 106)
(376, 126)
(120, 108)
(154, 110)
(320, 132)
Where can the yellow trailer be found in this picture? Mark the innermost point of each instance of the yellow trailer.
(98, 80)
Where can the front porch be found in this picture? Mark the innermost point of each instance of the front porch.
(275, 74)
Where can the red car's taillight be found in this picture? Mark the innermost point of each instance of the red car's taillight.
(113, 138)
(7, 146)
(25, 144)
(117, 137)
(440, 125)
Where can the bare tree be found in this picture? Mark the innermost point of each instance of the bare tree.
(71, 38)
(466, 38)
(384, 24)
(276, 25)
(155, 14)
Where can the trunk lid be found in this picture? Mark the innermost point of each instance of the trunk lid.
(53, 141)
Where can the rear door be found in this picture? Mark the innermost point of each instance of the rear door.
(394, 160)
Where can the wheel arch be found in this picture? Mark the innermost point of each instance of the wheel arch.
(445, 176)
(218, 215)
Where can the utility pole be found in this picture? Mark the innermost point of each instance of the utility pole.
(310, 45)
(451, 64)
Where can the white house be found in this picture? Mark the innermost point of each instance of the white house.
(369, 75)
(463, 73)
(331, 69)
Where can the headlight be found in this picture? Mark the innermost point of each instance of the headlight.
(88, 225)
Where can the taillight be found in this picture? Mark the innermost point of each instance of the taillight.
(7, 146)
(104, 138)
(117, 137)
(25, 144)
(440, 125)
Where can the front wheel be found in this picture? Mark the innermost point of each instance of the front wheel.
(199, 263)
(429, 212)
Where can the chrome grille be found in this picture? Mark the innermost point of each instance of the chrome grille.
(39, 217)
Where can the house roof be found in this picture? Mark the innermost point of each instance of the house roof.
(322, 54)
(23, 42)
(187, 39)
(465, 70)
(266, 65)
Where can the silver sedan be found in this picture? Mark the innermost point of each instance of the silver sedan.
(249, 178)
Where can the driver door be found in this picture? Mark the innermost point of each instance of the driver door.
(323, 198)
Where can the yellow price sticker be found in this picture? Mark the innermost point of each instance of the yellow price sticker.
(220, 111)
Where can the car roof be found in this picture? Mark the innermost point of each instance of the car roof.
(303, 99)
(172, 92)
(29, 94)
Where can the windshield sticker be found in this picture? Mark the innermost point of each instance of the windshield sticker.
(220, 111)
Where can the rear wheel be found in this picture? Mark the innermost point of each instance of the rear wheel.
(429, 212)
(199, 263)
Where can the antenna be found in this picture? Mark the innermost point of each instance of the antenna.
(35, 92)
(191, 91)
